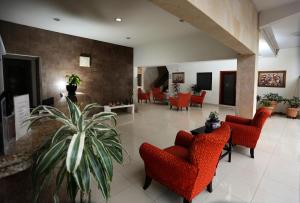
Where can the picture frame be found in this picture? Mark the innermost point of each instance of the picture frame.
(178, 77)
(272, 78)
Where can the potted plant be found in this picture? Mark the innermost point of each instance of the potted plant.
(196, 89)
(267, 105)
(72, 82)
(81, 149)
(212, 122)
(274, 98)
(293, 109)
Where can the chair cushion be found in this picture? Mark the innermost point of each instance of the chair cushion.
(178, 151)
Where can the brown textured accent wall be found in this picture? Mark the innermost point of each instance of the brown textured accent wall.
(110, 77)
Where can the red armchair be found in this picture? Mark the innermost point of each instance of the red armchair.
(143, 96)
(245, 131)
(157, 95)
(182, 100)
(189, 166)
(198, 99)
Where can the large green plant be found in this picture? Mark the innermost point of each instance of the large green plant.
(265, 102)
(273, 97)
(293, 102)
(82, 148)
(73, 79)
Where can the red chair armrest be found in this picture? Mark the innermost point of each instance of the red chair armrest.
(166, 167)
(245, 135)
(184, 139)
(237, 119)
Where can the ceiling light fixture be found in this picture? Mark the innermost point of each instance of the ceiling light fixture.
(128, 38)
(56, 19)
(118, 19)
(181, 20)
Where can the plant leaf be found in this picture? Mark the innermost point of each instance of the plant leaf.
(103, 156)
(59, 180)
(97, 171)
(74, 111)
(89, 107)
(75, 150)
(50, 158)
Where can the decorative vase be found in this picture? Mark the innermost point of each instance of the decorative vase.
(292, 112)
(211, 125)
(71, 89)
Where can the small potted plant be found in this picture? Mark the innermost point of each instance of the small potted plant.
(72, 82)
(267, 105)
(196, 89)
(274, 98)
(293, 109)
(213, 122)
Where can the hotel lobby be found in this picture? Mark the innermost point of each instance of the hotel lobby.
(150, 101)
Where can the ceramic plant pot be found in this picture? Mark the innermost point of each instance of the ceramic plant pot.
(274, 105)
(292, 112)
(71, 90)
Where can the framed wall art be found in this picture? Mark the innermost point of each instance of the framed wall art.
(272, 78)
(178, 77)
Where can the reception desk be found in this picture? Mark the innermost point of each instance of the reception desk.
(19, 156)
(16, 164)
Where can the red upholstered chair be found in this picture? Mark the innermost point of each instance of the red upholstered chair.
(157, 95)
(182, 100)
(143, 96)
(245, 131)
(198, 99)
(188, 167)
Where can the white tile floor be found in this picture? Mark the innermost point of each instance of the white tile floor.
(273, 176)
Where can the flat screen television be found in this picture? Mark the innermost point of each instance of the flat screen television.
(204, 80)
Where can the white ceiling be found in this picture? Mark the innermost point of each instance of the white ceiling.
(287, 31)
(269, 4)
(143, 22)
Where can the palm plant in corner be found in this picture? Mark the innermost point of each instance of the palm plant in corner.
(81, 149)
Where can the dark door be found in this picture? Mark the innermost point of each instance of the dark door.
(227, 87)
(21, 77)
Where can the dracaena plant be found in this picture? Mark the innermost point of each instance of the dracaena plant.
(81, 149)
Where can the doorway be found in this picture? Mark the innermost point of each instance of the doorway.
(21, 76)
(227, 88)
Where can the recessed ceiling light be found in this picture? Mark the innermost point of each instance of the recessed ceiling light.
(118, 19)
(181, 20)
(128, 38)
(56, 19)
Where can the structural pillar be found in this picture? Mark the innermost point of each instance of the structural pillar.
(246, 86)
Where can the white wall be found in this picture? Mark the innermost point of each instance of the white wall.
(191, 70)
(195, 47)
(287, 59)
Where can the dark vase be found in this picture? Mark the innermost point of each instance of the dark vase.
(71, 90)
(211, 125)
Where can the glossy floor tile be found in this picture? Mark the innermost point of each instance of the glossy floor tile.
(273, 176)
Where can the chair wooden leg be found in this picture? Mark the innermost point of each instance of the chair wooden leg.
(187, 108)
(147, 183)
(170, 107)
(177, 108)
(252, 153)
(186, 201)
(209, 187)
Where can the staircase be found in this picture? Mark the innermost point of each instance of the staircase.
(163, 79)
